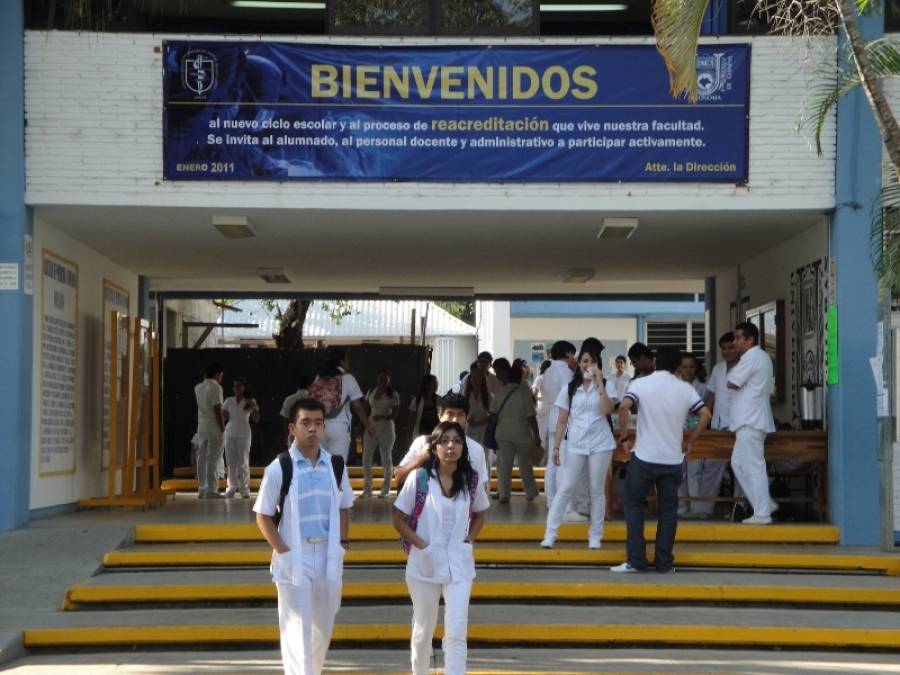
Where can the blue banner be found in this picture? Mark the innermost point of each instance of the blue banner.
(547, 114)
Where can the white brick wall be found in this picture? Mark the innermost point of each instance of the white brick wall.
(94, 136)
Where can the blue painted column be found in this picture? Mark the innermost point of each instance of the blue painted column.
(852, 424)
(15, 306)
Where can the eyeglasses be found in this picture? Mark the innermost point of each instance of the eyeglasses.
(450, 441)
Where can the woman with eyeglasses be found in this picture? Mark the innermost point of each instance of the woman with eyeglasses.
(447, 506)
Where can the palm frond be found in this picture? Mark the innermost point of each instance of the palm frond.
(676, 24)
(822, 97)
(885, 233)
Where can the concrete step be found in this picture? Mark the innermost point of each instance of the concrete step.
(788, 533)
(559, 587)
(173, 485)
(760, 556)
(503, 624)
(352, 471)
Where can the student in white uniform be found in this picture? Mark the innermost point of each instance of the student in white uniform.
(337, 424)
(441, 561)
(620, 378)
(303, 383)
(309, 543)
(704, 476)
(478, 395)
(750, 382)
(542, 405)
(452, 408)
(583, 408)
(211, 427)
(383, 403)
(239, 410)
(555, 379)
(688, 371)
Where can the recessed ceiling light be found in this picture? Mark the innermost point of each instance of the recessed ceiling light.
(578, 275)
(617, 228)
(274, 4)
(273, 275)
(583, 8)
(234, 227)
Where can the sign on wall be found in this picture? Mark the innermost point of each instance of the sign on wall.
(276, 112)
(59, 342)
(115, 299)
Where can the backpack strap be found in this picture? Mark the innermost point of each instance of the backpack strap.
(421, 495)
(337, 466)
(287, 475)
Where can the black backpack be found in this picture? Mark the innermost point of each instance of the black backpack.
(287, 475)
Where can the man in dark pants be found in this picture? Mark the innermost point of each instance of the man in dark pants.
(657, 456)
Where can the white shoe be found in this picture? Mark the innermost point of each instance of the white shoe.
(548, 542)
(682, 509)
(229, 493)
(695, 515)
(365, 493)
(773, 506)
(757, 520)
(246, 495)
(575, 517)
(624, 568)
(214, 495)
(201, 494)
(594, 544)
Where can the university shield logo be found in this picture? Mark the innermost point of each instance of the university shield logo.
(199, 71)
(709, 73)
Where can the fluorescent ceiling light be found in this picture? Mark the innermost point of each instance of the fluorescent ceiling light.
(428, 291)
(234, 227)
(583, 8)
(578, 276)
(617, 228)
(273, 275)
(274, 4)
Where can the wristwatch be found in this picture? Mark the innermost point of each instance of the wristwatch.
(623, 440)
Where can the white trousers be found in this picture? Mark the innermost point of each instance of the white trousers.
(704, 479)
(425, 598)
(749, 466)
(384, 440)
(570, 471)
(580, 500)
(209, 454)
(237, 459)
(306, 611)
(336, 439)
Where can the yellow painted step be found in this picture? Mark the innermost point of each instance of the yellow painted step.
(191, 485)
(352, 471)
(151, 556)
(83, 594)
(813, 533)
(598, 634)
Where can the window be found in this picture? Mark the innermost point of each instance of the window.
(686, 335)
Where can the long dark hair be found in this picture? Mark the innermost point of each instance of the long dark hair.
(483, 393)
(389, 389)
(423, 387)
(464, 475)
(243, 381)
(329, 369)
(578, 376)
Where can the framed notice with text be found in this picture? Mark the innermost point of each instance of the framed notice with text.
(59, 351)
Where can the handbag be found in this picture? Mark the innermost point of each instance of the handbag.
(413, 518)
(490, 431)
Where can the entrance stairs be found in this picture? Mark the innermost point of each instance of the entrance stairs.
(201, 579)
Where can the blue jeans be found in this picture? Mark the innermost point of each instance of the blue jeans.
(638, 479)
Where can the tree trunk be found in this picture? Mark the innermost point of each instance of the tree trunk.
(887, 124)
(291, 334)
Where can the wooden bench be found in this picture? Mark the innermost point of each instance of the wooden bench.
(808, 447)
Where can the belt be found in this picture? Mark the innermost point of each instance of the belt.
(315, 540)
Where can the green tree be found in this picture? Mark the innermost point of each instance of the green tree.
(464, 311)
(676, 24)
(289, 334)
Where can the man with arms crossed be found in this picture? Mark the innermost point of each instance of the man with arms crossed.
(309, 543)
(704, 476)
(451, 408)
(657, 456)
(750, 382)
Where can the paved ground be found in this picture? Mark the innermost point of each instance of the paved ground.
(40, 561)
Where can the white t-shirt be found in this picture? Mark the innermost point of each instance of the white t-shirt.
(290, 401)
(588, 429)
(721, 413)
(750, 405)
(382, 406)
(476, 457)
(238, 419)
(555, 379)
(663, 402)
(209, 395)
(620, 383)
